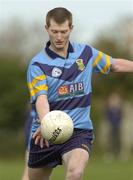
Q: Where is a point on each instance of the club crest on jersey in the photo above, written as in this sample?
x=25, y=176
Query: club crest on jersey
x=70, y=90
x=56, y=72
x=80, y=64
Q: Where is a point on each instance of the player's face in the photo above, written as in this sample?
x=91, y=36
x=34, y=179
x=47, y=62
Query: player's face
x=59, y=34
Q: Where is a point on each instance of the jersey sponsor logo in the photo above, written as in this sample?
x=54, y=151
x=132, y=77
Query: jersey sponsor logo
x=56, y=72
x=80, y=64
x=71, y=90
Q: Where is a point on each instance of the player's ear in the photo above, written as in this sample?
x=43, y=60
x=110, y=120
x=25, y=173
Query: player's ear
x=46, y=27
x=71, y=27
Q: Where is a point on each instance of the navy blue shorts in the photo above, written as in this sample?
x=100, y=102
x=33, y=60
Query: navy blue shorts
x=52, y=156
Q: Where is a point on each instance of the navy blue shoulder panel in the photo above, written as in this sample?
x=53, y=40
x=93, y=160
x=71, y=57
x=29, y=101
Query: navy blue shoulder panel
x=68, y=74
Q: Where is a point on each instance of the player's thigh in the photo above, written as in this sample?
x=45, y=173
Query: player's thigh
x=39, y=173
x=75, y=157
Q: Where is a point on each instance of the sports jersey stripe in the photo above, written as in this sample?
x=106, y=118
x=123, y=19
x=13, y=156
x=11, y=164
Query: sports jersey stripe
x=68, y=74
x=35, y=80
x=68, y=104
x=107, y=65
x=97, y=59
x=35, y=90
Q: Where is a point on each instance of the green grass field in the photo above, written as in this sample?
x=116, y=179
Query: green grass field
x=11, y=169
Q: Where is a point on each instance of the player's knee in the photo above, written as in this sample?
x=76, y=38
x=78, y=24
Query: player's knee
x=34, y=175
x=39, y=174
x=74, y=173
x=31, y=176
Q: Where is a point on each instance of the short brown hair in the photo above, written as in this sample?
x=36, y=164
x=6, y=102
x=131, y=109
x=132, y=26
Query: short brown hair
x=59, y=15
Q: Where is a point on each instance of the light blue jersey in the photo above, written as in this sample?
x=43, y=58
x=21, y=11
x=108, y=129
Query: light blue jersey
x=67, y=82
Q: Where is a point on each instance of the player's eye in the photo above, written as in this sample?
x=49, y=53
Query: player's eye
x=55, y=32
x=64, y=32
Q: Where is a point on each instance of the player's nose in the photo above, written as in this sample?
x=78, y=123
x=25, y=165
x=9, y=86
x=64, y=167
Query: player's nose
x=59, y=36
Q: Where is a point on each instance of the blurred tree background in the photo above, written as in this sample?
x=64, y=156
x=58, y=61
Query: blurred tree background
x=15, y=51
x=18, y=45
x=116, y=41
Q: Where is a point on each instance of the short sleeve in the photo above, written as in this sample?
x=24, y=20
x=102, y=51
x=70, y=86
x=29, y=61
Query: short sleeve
x=36, y=80
x=101, y=62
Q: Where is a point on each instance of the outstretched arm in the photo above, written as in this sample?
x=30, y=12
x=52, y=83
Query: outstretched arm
x=122, y=65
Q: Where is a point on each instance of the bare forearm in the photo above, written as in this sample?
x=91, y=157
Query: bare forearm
x=42, y=106
x=122, y=65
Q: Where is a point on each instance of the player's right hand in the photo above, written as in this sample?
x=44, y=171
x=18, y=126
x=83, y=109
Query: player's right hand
x=39, y=140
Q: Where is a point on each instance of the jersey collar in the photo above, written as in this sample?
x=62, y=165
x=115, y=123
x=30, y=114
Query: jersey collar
x=53, y=55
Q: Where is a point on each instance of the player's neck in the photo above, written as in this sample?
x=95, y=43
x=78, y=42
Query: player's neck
x=61, y=52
